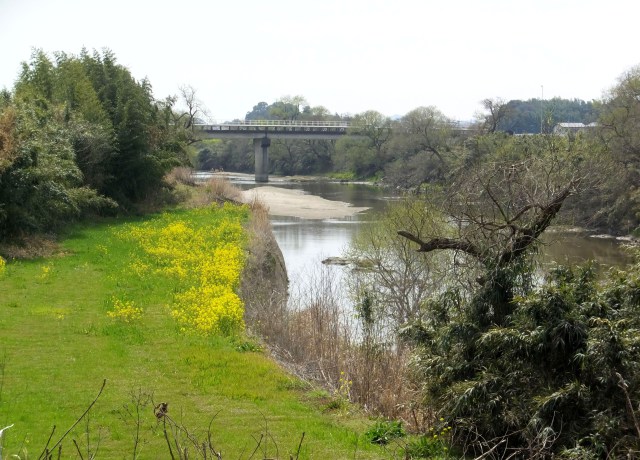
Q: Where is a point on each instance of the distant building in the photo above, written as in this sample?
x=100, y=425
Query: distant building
x=564, y=129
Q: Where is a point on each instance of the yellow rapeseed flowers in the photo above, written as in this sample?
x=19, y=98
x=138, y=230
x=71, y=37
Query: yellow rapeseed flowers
x=124, y=310
x=204, y=259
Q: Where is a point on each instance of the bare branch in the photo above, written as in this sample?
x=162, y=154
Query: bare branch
x=104, y=383
x=443, y=243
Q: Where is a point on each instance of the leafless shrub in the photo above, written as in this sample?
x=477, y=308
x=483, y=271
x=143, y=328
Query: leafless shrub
x=181, y=175
x=184, y=443
x=216, y=190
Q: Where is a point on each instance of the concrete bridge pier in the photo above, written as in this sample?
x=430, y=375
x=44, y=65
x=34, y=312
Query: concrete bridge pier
x=261, y=147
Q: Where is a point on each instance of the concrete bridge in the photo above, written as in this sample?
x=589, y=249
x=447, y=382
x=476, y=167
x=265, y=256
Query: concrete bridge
x=262, y=131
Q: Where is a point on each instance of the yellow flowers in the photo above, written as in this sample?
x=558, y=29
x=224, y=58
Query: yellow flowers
x=3, y=266
x=124, y=310
x=202, y=253
x=45, y=271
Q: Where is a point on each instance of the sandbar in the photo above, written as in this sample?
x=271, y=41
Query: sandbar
x=297, y=203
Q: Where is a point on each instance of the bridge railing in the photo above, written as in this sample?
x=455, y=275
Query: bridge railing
x=306, y=125
x=277, y=123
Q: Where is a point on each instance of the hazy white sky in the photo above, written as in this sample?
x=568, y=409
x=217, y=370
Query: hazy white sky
x=347, y=55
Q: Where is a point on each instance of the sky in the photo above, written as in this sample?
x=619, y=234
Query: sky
x=346, y=55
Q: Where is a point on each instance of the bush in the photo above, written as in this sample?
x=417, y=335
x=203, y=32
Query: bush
x=384, y=431
x=426, y=447
x=561, y=375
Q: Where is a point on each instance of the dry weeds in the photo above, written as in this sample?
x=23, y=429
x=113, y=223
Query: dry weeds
x=215, y=190
x=31, y=247
x=180, y=175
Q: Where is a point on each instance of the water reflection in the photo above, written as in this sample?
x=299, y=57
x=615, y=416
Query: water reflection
x=306, y=243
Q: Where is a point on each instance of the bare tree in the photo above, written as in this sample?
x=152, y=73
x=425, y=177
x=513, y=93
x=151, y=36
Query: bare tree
x=496, y=111
x=497, y=212
x=195, y=111
x=390, y=274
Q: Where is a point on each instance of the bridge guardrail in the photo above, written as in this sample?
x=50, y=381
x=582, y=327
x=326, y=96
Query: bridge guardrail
x=275, y=124
x=305, y=125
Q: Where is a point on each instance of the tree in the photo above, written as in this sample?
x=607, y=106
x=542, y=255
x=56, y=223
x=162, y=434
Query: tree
x=363, y=152
x=260, y=111
x=497, y=111
x=620, y=129
x=422, y=146
x=40, y=183
x=288, y=108
x=195, y=110
x=394, y=279
x=496, y=212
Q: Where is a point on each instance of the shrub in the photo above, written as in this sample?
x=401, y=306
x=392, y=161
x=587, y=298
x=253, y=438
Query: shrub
x=384, y=431
x=426, y=447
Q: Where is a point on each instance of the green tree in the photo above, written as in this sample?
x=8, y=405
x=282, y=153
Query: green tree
x=422, y=149
x=148, y=143
x=288, y=108
x=40, y=184
x=620, y=129
x=364, y=151
x=471, y=359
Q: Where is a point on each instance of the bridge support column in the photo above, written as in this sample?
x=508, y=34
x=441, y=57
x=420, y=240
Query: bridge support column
x=261, y=147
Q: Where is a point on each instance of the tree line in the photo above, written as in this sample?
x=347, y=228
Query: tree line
x=79, y=135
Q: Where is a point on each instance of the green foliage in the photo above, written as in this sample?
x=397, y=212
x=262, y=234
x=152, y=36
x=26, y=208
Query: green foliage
x=423, y=149
x=432, y=446
x=532, y=115
x=619, y=125
x=549, y=377
x=41, y=185
x=384, y=431
x=75, y=130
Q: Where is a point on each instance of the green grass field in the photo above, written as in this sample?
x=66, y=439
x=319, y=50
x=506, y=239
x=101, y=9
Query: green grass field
x=58, y=343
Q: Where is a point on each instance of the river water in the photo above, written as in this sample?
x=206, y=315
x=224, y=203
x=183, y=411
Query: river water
x=305, y=243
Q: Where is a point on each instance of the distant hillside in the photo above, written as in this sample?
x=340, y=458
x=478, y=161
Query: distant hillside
x=532, y=115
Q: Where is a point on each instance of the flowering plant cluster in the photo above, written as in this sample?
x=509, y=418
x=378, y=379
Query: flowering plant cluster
x=124, y=310
x=202, y=253
x=3, y=266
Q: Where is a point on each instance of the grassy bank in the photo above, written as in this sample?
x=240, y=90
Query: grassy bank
x=127, y=302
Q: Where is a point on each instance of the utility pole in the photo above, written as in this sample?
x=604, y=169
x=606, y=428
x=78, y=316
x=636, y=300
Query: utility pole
x=542, y=108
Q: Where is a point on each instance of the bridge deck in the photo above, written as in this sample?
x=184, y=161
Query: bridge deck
x=275, y=128
x=300, y=129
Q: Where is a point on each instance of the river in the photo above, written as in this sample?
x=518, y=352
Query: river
x=305, y=243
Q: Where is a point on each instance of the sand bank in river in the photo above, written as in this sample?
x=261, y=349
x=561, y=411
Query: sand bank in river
x=297, y=203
